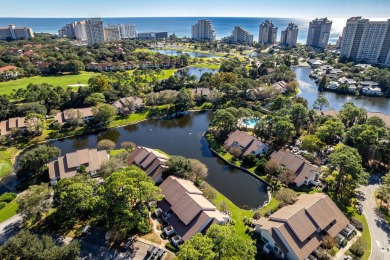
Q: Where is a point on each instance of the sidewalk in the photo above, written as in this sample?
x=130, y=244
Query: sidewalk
x=340, y=254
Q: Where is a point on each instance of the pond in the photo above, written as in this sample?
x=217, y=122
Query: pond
x=182, y=136
x=196, y=71
x=193, y=54
x=309, y=90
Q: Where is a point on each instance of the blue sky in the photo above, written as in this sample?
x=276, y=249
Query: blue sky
x=207, y=8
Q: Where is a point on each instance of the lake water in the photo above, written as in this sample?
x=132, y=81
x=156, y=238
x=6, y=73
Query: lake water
x=195, y=71
x=181, y=136
x=193, y=54
x=309, y=91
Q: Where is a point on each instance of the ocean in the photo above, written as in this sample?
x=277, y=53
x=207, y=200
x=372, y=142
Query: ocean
x=181, y=26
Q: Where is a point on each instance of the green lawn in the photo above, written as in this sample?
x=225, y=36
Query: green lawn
x=8, y=211
x=365, y=236
x=125, y=120
x=239, y=214
x=6, y=158
x=63, y=81
x=212, y=66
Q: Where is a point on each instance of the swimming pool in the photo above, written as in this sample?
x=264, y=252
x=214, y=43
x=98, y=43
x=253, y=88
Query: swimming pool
x=249, y=123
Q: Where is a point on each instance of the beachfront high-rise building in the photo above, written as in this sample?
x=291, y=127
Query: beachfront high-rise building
x=203, y=30
x=128, y=31
x=112, y=33
x=318, y=33
x=366, y=41
x=79, y=30
x=289, y=35
x=67, y=31
x=15, y=33
x=267, y=32
x=239, y=36
x=94, y=30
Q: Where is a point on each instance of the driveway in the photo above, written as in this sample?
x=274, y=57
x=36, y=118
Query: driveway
x=9, y=228
x=379, y=229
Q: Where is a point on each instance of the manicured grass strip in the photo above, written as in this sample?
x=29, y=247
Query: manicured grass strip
x=8, y=211
x=62, y=80
x=124, y=120
x=239, y=214
x=212, y=66
x=365, y=236
x=6, y=161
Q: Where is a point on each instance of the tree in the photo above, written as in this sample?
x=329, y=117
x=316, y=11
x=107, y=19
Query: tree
x=35, y=123
x=131, y=190
x=184, y=100
x=228, y=245
x=127, y=145
x=320, y=103
x=103, y=114
x=235, y=151
x=34, y=160
x=330, y=131
x=30, y=246
x=298, y=116
x=94, y=99
x=180, y=167
x=110, y=166
x=74, y=117
x=287, y=196
x=106, y=144
x=34, y=202
x=283, y=131
x=198, y=247
x=199, y=170
x=99, y=84
x=350, y=114
x=312, y=143
x=346, y=164
x=76, y=66
x=376, y=121
x=223, y=122
x=74, y=198
x=323, y=83
x=209, y=192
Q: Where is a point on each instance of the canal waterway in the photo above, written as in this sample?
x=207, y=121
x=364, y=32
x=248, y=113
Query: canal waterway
x=309, y=90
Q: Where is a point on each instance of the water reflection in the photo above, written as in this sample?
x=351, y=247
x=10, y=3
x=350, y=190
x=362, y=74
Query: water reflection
x=182, y=136
x=309, y=91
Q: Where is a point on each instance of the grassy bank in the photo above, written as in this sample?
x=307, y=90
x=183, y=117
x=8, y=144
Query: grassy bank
x=8, y=211
x=62, y=80
x=365, y=236
x=6, y=161
x=239, y=214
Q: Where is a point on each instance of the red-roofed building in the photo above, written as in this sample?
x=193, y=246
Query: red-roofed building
x=9, y=72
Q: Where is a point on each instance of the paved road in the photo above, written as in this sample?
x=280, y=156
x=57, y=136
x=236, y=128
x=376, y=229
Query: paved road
x=380, y=231
x=9, y=228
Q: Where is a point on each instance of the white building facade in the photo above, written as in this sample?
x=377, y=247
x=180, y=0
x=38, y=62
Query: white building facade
x=318, y=33
x=15, y=33
x=267, y=32
x=112, y=33
x=366, y=41
x=128, y=31
x=94, y=30
x=203, y=30
x=289, y=36
x=240, y=35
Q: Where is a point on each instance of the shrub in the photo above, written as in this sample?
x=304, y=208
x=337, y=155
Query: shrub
x=257, y=215
x=357, y=224
x=267, y=214
x=358, y=248
x=327, y=242
x=250, y=160
x=171, y=247
x=7, y=197
x=106, y=144
x=3, y=204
